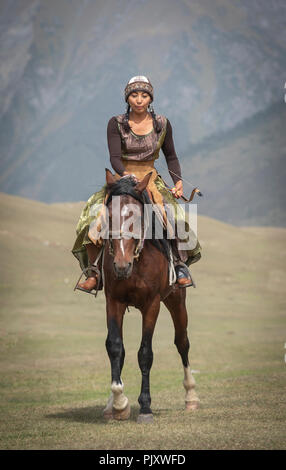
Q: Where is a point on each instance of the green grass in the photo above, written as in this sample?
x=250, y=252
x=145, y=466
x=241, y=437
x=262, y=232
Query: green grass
x=55, y=373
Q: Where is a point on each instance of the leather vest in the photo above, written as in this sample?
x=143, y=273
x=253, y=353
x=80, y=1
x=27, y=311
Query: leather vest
x=141, y=147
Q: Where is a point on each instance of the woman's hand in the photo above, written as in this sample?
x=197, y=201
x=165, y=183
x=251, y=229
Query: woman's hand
x=125, y=173
x=178, y=189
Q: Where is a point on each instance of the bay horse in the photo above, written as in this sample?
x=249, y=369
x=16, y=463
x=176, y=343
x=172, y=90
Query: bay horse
x=142, y=284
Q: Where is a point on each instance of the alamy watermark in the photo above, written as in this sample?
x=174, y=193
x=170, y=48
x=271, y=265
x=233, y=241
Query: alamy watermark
x=149, y=221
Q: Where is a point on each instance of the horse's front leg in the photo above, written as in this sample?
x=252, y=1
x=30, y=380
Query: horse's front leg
x=145, y=359
x=117, y=406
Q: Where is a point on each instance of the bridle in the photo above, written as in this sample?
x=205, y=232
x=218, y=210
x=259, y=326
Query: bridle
x=121, y=234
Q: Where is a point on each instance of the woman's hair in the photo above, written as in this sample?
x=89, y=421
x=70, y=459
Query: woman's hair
x=156, y=123
x=125, y=122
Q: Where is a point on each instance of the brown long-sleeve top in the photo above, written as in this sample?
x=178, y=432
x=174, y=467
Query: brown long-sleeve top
x=168, y=148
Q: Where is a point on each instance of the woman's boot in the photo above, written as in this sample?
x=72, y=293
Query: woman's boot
x=91, y=281
x=184, y=278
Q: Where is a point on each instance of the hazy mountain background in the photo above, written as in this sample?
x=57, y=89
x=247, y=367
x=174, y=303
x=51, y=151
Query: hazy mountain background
x=218, y=68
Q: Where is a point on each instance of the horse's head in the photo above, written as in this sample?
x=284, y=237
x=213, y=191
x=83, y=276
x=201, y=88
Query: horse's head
x=125, y=202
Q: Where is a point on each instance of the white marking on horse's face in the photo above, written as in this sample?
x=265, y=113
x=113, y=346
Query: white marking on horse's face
x=125, y=211
x=122, y=247
x=132, y=220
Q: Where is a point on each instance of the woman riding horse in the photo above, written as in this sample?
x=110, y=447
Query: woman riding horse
x=134, y=141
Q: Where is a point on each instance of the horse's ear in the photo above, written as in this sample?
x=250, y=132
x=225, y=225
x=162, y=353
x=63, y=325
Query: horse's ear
x=109, y=177
x=141, y=185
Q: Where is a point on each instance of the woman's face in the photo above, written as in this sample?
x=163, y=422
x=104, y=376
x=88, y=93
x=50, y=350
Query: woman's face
x=139, y=101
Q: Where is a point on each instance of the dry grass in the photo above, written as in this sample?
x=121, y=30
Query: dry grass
x=55, y=373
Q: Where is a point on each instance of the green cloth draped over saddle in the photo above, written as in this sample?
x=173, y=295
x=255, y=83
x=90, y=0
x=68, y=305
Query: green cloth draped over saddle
x=93, y=208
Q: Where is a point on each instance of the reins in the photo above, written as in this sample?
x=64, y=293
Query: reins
x=119, y=234
x=184, y=198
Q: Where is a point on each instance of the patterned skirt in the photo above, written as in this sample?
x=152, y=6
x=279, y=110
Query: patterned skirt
x=159, y=195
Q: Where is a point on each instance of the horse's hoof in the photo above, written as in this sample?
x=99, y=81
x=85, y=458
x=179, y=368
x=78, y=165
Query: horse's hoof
x=122, y=414
x=147, y=418
x=107, y=414
x=192, y=405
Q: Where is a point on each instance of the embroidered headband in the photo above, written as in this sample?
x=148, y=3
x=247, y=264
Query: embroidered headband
x=138, y=83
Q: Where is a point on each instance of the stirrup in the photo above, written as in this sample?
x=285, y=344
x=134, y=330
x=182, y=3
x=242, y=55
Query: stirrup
x=98, y=279
x=185, y=269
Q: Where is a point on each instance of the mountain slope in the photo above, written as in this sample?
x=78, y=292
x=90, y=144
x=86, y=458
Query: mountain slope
x=242, y=173
x=214, y=65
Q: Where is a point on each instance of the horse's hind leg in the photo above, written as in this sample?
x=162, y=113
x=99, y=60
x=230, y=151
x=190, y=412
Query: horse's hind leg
x=117, y=406
x=176, y=304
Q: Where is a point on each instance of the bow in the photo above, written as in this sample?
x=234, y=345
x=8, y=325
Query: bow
x=194, y=191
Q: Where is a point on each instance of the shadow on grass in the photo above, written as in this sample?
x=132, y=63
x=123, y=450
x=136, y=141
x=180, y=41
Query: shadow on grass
x=92, y=414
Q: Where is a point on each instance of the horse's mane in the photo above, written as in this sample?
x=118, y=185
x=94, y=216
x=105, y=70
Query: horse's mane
x=125, y=186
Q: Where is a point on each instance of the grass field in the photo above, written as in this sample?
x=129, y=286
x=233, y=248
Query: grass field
x=55, y=374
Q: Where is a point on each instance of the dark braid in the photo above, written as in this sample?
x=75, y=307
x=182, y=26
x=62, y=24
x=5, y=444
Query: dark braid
x=156, y=124
x=126, y=119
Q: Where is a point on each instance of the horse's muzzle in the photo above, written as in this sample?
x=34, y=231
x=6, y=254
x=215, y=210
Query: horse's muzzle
x=122, y=272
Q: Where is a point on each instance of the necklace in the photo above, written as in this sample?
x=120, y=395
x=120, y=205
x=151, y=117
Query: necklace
x=141, y=128
x=140, y=122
